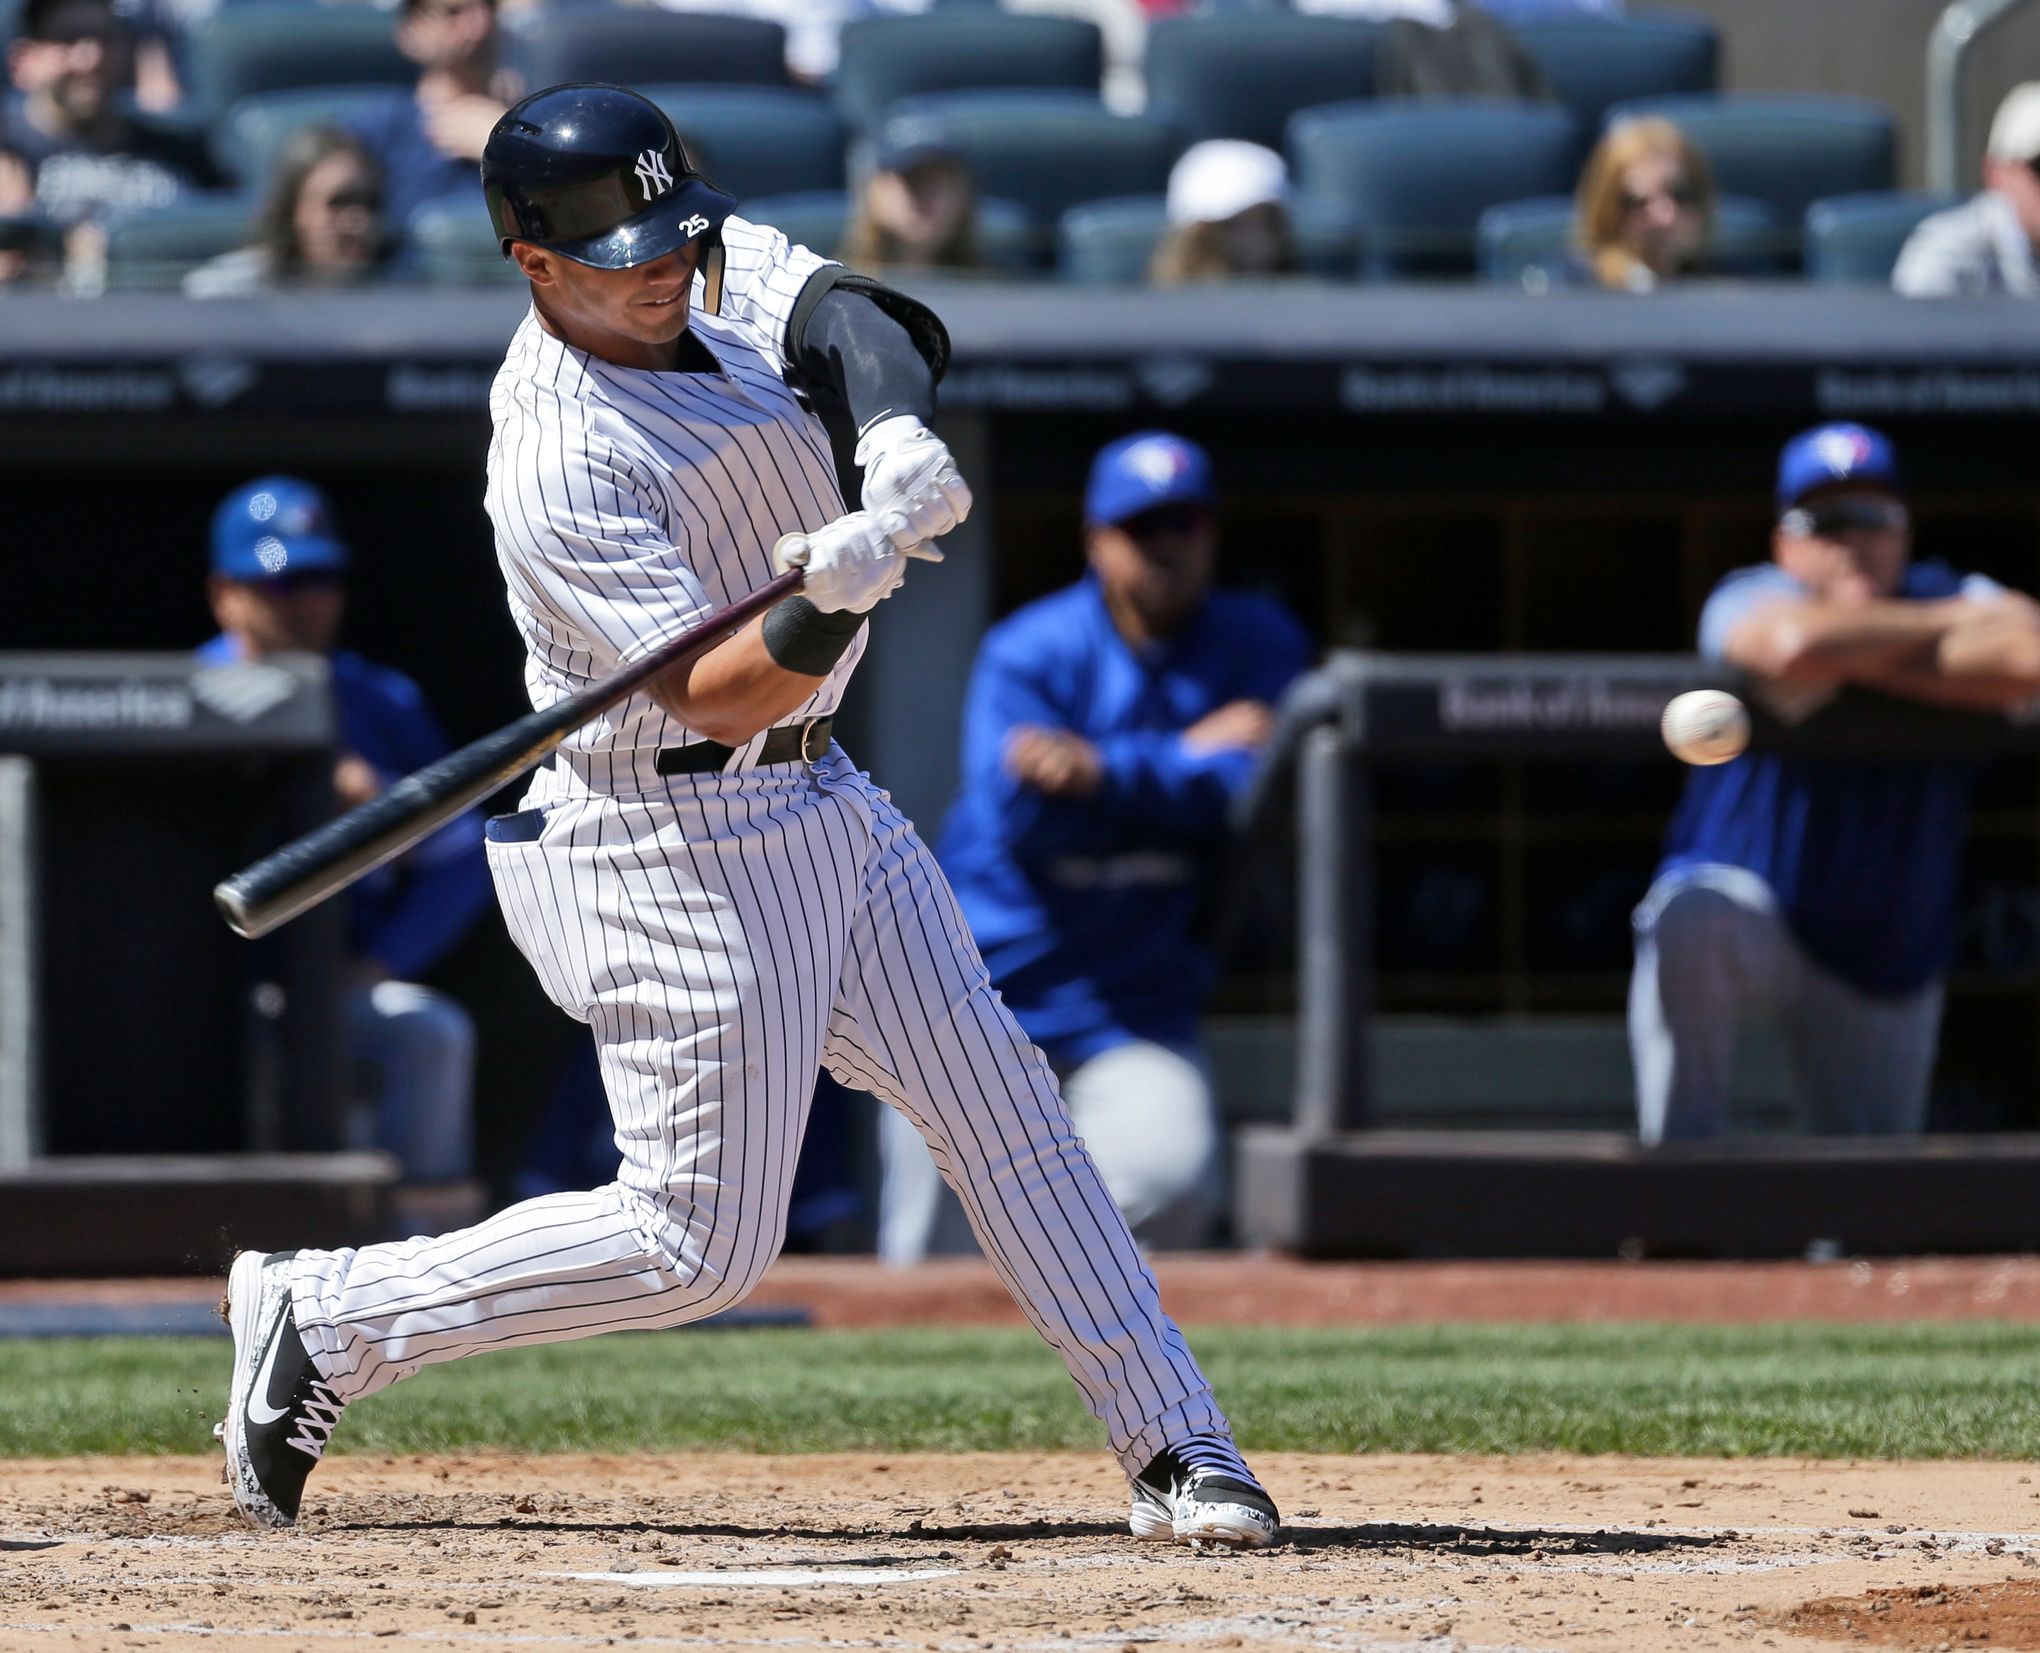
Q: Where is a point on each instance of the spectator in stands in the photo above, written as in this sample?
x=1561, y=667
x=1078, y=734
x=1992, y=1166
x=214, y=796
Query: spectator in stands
x=1228, y=207
x=70, y=151
x=1821, y=892
x=1645, y=207
x=278, y=583
x=1108, y=729
x=1988, y=244
x=322, y=225
x=428, y=141
x=918, y=209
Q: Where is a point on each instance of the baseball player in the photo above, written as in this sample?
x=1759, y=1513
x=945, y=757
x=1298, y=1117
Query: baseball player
x=702, y=875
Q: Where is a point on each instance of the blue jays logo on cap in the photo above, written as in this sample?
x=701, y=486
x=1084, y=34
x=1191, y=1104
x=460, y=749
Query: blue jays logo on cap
x=1139, y=472
x=273, y=527
x=1835, y=453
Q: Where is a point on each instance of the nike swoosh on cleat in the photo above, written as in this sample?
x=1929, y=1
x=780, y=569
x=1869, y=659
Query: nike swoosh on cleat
x=259, y=1409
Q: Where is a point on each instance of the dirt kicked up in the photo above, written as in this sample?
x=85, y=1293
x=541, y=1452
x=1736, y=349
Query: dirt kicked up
x=968, y=1553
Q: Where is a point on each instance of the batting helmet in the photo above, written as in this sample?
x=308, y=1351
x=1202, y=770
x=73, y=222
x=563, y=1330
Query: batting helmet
x=597, y=174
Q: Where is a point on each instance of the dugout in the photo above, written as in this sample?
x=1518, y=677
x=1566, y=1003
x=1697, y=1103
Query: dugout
x=1459, y=470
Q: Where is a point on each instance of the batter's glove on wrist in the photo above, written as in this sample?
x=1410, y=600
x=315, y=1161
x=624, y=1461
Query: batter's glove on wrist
x=851, y=566
x=912, y=487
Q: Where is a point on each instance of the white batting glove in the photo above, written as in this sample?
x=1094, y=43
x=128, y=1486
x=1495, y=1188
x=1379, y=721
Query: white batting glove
x=911, y=484
x=851, y=566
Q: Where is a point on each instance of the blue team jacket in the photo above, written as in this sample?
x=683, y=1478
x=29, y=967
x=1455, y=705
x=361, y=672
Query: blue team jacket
x=1083, y=907
x=408, y=915
x=1865, y=857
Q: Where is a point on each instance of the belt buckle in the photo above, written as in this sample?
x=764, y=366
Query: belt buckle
x=814, y=739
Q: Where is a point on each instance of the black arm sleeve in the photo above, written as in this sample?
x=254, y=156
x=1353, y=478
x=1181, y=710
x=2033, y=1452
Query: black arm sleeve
x=865, y=347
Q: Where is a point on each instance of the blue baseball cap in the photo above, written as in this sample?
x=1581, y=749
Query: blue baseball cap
x=1139, y=472
x=1828, y=454
x=273, y=526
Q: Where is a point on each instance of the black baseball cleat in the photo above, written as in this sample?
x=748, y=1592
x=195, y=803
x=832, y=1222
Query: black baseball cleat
x=1207, y=1509
x=279, y=1414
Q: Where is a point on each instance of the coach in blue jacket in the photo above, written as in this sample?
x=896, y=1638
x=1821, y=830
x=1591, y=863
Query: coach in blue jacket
x=278, y=583
x=1109, y=726
x=1821, y=893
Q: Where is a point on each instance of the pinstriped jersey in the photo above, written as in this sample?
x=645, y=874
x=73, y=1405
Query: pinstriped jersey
x=627, y=504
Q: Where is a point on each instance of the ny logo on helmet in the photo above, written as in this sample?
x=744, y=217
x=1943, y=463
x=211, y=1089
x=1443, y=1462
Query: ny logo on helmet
x=652, y=175
x=693, y=226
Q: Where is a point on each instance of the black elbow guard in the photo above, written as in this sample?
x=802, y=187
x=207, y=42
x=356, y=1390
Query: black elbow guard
x=930, y=338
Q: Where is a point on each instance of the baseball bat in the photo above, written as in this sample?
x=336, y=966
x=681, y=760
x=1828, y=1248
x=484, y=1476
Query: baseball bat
x=329, y=858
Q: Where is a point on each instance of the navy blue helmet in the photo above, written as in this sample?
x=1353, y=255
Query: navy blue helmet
x=597, y=174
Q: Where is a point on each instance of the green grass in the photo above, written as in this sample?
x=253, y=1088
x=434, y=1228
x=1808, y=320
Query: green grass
x=1897, y=1391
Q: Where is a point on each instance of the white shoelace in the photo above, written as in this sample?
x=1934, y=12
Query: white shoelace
x=321, y=1411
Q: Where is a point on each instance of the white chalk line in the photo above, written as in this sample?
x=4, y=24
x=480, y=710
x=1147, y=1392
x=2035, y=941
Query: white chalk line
x=787, y=1578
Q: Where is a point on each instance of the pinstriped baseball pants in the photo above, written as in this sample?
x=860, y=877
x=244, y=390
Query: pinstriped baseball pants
x=724, y=935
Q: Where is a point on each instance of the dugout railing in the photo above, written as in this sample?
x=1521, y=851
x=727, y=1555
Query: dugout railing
x=1331, y=1182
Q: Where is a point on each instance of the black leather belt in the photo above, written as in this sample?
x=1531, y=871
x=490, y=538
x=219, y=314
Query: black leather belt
x=789, y=743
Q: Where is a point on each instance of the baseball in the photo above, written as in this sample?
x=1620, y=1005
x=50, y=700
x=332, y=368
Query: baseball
x=1704, y=726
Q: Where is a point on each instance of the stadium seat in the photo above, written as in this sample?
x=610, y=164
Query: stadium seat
x=1520, y=242
x=1047, y=151
x=1243, y=74
x=1109, y=243
x=758, y=140
x=242, y=51
x=1412, y=179
x=636, y=46
x=456, y=246
x=821, y=220
x=1595, y=62
x=248, y=141
x=157, y=246
x=1786, y=151
x=886, y=59
x=1857, y=238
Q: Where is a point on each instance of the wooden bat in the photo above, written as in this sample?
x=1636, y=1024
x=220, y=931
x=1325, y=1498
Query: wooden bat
x=326, y=860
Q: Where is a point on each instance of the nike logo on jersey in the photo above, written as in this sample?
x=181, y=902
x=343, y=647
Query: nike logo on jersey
x=259, y=1409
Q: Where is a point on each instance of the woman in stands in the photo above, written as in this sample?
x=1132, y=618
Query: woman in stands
x=919, y=206
x=322, y=225
x=1228, y=216
x=1645, y=207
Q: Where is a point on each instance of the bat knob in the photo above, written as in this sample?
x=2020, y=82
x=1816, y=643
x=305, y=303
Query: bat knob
x=792, y=551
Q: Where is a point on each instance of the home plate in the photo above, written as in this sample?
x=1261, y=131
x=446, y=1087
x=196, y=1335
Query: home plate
x=779, y=1578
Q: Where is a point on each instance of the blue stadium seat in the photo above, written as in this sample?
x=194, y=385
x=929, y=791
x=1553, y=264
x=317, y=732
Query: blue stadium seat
x=886, y=59
x=248, y=141
x=1046, y=151
x=1787, y=151
x=821, y=220
x=157, y=246
x=1109, y=243
x=1412, y=179
x=456, y=246
x=1594, y=62
x=758, y=140
x=1243, y=74
x=1521, y=243
x=242, y=51
x=1857, y=238
x=817, y=219
x=637, y=46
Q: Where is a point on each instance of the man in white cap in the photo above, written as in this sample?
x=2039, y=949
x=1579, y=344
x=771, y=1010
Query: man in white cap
x=1986, y=245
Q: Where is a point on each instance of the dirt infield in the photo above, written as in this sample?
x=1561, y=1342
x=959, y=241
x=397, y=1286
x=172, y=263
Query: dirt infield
x=1250, y=1289
x=965, y=1554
